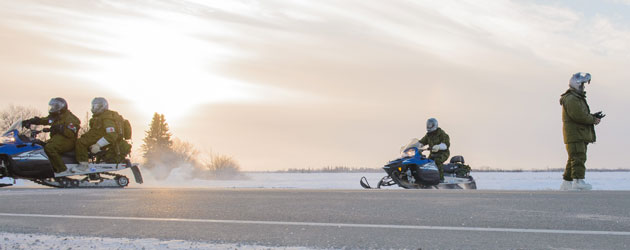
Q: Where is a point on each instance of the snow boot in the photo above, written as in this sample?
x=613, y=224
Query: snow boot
x=82, y=167
x=580, y=184
x=566, y=185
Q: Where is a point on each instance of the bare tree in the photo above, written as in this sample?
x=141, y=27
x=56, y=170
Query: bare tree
x=13, y=113
x=85, y=125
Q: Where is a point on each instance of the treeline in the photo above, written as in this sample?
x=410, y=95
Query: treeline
x=488, y=169
x=331, y=169
x=344, y=169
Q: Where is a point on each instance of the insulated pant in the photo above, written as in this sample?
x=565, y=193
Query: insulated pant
x=575, y=168
x=56, y=146
x=83, y=144
x=439, y=161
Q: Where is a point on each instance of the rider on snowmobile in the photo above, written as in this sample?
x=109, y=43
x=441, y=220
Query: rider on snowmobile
x=63, y=131
x=439, y=144
x=106, y=132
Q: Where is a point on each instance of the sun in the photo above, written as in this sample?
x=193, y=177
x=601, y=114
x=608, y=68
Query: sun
x=162, y=65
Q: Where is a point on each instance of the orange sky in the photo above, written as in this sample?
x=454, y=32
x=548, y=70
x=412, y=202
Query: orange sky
x=298, y=84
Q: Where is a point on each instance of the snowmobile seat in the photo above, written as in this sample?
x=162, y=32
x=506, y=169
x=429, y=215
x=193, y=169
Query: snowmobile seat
x=457, y=159
x=450, y=168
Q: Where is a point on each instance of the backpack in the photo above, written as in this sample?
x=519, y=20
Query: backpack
x=125, y=127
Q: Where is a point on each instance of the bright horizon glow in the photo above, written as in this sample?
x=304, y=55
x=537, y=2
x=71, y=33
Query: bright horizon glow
x=162, y=67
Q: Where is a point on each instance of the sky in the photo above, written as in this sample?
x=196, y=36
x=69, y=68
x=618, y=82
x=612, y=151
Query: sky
x=309, y=84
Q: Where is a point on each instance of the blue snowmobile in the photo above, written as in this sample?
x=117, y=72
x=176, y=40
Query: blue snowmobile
x=415, y=171
x=23, y=157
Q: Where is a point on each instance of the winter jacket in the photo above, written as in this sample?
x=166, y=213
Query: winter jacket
x=577, y=120
x=65, y=124
x=436, y=138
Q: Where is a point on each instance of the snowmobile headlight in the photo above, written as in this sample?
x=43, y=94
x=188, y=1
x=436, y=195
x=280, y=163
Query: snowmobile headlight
x=7, y=139
x=409, y=152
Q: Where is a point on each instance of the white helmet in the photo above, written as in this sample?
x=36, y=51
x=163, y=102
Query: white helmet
x=578, y=79
x=99, y=105
x=432, y=125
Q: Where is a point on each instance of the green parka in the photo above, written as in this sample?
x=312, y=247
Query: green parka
x=435, y=138
x=577, y=120
x=108, y=125
x=69, y=123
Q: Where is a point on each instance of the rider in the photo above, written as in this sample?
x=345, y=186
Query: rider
x=439, y=144
x=105, y=133
x=63, y=131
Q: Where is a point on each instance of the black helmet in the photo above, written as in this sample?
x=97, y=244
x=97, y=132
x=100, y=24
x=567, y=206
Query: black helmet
x=57, y=105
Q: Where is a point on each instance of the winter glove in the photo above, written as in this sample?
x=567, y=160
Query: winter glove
x=95, y=148
x=435, y=148
x=28, y=122
x=98, y=145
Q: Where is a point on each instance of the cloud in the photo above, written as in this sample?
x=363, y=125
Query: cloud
x=310, y=80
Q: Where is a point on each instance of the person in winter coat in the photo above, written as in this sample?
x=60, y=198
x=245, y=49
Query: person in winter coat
x=439, y=144
x=105, y=134
x=578, y=129
x=63, y=131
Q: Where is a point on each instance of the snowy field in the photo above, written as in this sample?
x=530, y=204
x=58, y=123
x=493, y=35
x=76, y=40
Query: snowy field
x=485, y=180
x=46, y=242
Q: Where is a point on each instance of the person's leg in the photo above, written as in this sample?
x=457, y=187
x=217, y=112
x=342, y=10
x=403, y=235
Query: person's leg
x=567, y=169
x=439, y=161
x=83, y=144
x=577, y=158
x=578, y=167
x=53, y=150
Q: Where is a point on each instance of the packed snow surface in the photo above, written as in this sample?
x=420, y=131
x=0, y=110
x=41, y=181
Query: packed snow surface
x=485, y=180
x=46, y=242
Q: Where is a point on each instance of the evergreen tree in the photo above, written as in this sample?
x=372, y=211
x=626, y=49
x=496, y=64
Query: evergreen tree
x=157, y=140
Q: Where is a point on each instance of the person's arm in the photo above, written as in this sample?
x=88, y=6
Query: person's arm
x=578, y=112
x=70, y=129
x=111, y=131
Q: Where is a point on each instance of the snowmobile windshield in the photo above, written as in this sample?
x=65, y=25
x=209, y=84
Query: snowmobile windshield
x=16, y=125
x=8, y=136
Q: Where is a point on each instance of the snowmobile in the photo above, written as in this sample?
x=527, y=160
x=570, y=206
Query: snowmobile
x=23, y=157
x=415, y=171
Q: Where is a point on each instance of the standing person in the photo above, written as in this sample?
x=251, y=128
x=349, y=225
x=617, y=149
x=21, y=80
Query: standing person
x=438, y=142
x=578, y=130
x=63, y=131
x=106, y=132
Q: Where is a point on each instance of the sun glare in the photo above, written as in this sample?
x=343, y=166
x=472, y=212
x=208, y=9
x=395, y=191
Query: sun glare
x=163, y=67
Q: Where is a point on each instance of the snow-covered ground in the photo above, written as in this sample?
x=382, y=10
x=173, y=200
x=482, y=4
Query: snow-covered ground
x=45, y=242
x=485, y=180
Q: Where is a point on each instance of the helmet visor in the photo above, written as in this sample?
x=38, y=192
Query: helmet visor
x=432, y=125
x=55, y=106
x=99, y=105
